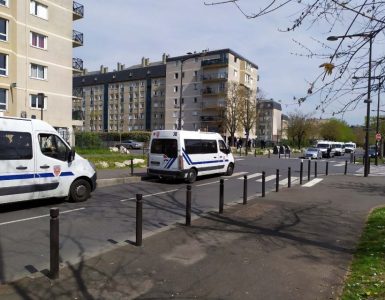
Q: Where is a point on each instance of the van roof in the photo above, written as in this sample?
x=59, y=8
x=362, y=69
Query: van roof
x=36, y=124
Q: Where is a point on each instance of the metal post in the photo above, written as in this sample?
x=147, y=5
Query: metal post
x=263, y=183
x=269, y=154
x=308, y=170
x=132, y=167
x=315, y=169
x=244, y=189
x=346, y=167
x=221, y=192
x=188, y=205
x=277, y=181
x=54, y=243
x=301, y=172
x=255, y=152
x=279, y=153
x=139, y=219
x=354, y=158
x=327, y=168
x=367, y=125
x=351, y=157
x=289, y=177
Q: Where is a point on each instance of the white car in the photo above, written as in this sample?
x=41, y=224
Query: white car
x=313, y=153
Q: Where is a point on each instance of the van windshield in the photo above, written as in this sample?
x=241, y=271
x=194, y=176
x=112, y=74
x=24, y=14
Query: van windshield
x=168, y=147
x=349, y=145
x=323, y=146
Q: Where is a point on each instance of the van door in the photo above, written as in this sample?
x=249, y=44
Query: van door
x=54, y=175
x=17, y=165
x=163, y=154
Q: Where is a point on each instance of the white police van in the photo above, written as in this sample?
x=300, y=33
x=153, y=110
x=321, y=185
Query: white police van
x=35, y=162
x=188, y=154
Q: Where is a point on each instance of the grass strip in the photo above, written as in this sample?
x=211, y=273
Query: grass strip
x=366, y=279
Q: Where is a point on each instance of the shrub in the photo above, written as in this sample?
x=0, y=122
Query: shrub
x=86, y=140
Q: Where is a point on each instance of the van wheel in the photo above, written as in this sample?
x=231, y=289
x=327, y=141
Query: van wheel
x=230, y=169
x=80, y=190
x=191, y=175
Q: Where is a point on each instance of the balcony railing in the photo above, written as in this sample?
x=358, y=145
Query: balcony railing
x=78, y=115
x=215, y=62
x=214, y=76
x=78, y=10
x=77, y=64
x=213, y=105
x=77, y=93
x=209, y=91
x=211, y=118
x=77, y=38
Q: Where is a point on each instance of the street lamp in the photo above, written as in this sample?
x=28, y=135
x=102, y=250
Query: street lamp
x=40, y=101
x=181, y=88
x=367, y=101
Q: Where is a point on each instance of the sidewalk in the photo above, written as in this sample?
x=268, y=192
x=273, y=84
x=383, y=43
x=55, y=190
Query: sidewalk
x=295, y=244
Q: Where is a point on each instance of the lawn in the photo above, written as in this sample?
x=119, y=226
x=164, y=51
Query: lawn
x=366, y=279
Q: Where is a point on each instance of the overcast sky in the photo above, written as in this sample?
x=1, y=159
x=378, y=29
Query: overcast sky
x=126, y=30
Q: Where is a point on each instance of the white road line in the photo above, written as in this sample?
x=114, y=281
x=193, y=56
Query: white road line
x=208, y=183
x=268, y=178
x=39, y=217
x=237, y=174
x=252, y=176
x=239, y=159
x=150, y=195
x=285, y=181
x=313, y=182
x=339, y=165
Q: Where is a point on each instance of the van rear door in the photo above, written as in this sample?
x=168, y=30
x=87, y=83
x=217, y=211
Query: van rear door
x=17, y=164
x=163, y=154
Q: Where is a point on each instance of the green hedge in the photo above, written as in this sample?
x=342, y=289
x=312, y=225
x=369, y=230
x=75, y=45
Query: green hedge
x=89, y=140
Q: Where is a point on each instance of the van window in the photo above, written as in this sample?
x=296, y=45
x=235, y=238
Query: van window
x=200, y=146
x=169, y=147
x=15, y=145
x=222, y=146
x=52, y=146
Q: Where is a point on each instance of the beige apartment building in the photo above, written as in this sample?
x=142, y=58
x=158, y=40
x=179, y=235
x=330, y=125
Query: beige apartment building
x=36, y=45
x=147, y=96
x=270, y=121
x=204, y=77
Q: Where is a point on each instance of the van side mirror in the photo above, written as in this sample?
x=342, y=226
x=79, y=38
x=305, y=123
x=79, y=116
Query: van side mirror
x=71, y=155
x=228, y=151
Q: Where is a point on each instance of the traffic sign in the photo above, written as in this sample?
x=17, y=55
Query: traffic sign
x=378, y=136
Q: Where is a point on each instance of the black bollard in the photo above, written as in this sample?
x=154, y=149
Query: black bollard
x=354, y=159
x=139, y=219
x=54, y=243
x=255, y=152
x=346, y=167
x=221, y=192
x=263, y=183
x=244, y=189
x=289, y=177
x=132, y=166
x=315, y=169
x=301, y=172
x=188, y=205
x=351, y=157
x=269, y=154
x=277, y=181
x=327, y=168
x=308, y=169
x=279, y=154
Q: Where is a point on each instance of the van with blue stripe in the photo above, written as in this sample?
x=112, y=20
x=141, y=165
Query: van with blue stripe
x=188, y=154
x=35, y=162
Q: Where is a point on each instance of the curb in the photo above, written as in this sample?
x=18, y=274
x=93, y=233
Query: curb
x=115, y=181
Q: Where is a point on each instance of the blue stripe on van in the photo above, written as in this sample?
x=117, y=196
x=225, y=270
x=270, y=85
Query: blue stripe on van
x=186, y=158
x=170, y=163
x=31, y=176
x=190, y=162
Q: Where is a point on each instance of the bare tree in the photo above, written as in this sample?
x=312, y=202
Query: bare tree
x=231, y=119
x=362, y=23
x=247, y=110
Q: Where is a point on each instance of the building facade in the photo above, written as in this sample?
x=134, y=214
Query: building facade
x=269, y=124
x=148, y=96
x=36, y=45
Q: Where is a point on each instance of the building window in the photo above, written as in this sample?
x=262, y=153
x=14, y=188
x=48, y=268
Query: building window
x=235, y=73
x=4, y=2
x=35, y=103
x=3, y=29
x=38, y=71
x=3, y=64
x=195, y=86
x=175, y=101
x=3, y=99
x=195, y=100
x=176, y=75
x=38, y=9
x=195, y=74
x=175, y=89
x=38, y=40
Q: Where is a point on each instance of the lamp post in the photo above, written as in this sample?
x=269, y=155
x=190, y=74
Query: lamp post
x=40, y=101
x=367, y=101
x=181, y=90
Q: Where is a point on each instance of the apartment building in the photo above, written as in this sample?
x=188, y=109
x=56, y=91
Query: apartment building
x=147, y=96
x=36, y=63
x=269, y=124
x=126, y=99
x=199, y=82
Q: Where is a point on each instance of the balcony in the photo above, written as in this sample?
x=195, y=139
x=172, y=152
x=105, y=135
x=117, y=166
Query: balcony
x=77, y=11
x=214, y=105
x=211, y=119
x=214, y=77
x=77, y=93
x=217, y=91
x=78, y=115
x=215, y=63
x=77, y=38
x=77, y=65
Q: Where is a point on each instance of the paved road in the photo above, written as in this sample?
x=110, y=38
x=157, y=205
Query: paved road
x=107, y=219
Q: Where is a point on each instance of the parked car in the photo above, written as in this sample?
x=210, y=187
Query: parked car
x=372, y=151
x=313, y=153
x=130, y=144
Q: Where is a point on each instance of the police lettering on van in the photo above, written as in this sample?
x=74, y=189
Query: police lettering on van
x=36, y=163
x=188, y=154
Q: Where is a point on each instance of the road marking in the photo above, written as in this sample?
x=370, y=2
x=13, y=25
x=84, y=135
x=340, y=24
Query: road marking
x=252, y=176
x=313, y=182
x=208, y=183
x=237, y=174
x=239, y=159
x=268, y=178
x=339, y=165
x=285, y=181
x=39, y=217
x=150, y=195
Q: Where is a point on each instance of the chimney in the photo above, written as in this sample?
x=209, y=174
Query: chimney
x=119, y=66
x=101, y=69
x=164, y=58
x=105, y=70
x=85, y=71
x=147, y=61
x=143, y=62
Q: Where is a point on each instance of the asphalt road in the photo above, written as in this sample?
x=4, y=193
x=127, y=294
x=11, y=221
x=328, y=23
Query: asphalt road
x=107, y=220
